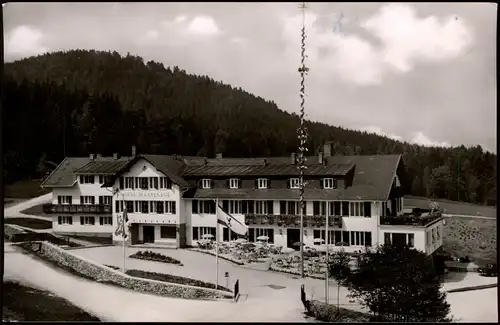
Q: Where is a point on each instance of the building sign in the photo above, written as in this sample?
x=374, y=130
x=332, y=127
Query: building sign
x=146, y=194
x=152, y=220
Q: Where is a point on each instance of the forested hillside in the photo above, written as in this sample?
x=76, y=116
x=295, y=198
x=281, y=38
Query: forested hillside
x=77, y=102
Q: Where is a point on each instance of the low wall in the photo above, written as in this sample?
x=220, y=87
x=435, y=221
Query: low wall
x=102, y=273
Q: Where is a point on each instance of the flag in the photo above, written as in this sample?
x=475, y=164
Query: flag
x=125, y=222
x=224, y=218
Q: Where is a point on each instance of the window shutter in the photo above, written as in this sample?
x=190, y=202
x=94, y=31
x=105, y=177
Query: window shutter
x=257, y=183
x=200, y=183
x=225, y=205
x=322, y=183
x=251, y=206
x=244, y=207
x=316, y=208
x=59, y=220
x=368, y=209
x=81, y=220
x=212, y=183
x=228, y=183
x=270, y=207
x=268, y=183
x=173, y=207
x=282, y=207
x=239, y=183
x=169, y=183
x=288, y=183
x=121, y=183
x=194, y=206
x=101, y=221
x=71, y=220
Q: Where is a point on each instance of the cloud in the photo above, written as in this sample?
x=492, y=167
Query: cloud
x=422, y=139
x=152, y=34
x=24, y=41
x=204, y=25
x=180, y=19
x=404, y=40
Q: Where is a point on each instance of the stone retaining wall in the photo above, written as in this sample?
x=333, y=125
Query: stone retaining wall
x=102, y=273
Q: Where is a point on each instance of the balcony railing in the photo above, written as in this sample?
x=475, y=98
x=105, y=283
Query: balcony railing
x=77, y=208
x=292, y=220
x=410, y=220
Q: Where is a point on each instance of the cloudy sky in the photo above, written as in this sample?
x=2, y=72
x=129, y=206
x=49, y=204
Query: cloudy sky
x=422, y=73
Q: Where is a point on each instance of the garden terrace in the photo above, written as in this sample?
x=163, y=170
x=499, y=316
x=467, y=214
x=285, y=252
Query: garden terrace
x=410, y=220
x=280, y=220
x=77, y=208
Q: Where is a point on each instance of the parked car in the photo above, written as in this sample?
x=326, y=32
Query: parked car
x=489, y=270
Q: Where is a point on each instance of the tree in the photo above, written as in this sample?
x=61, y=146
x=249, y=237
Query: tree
x=339, y=270
x=398, y=284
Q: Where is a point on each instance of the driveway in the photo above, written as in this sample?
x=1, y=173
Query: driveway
x=111, y=303
x=254, y=284
x=14, y=211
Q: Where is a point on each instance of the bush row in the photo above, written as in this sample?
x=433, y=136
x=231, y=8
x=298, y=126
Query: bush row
x=156, y=257
x=330, y=313
x=91, y=270
x=292, y=272
x=221, y=257
x=9, y=231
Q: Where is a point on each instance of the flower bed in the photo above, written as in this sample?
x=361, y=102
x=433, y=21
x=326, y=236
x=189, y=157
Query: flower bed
x=155, y=257
x=295, y=272
x=173, y=279
x=222, y=256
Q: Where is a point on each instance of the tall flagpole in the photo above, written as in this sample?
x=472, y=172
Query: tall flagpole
x=217, y=244
x=326, y=239
x=124, y=234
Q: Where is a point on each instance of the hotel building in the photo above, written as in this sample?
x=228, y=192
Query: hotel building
x=171, y=199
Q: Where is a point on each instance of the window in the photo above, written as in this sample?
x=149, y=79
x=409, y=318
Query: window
x=169, y=232
x=165, y=182
x=345, y=237
x=257, y=232
x=105, y=199
x=368, y=238
x=105, y=221
x=129, y=182
x=206, y=183
x=119, y=206
x=261, y=207
x=65, y=220
x=411, y=240
x=153, y=182
x=329, y=183
x=387, y=238
x=234, y=183
x=143, y=183
x=159, y=207
x=262, y=183
x=438, y=230
x=357, y=209
x=198, y=232
x=203, y=206
x=337, y=211
x=319, y=208
x=294, y=183
x=130, y=206
x=88, y=221
x=87, y=199
x=384, y=209
x=433, y=235
x=170, y=207
x=104, y=179
x=64, y=199
x=87, y=179
x=235, y=207
x=345, y=209
x=195, y=233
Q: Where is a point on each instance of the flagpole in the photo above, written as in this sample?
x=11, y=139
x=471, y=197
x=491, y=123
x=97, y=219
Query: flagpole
x=326, y=239
x=217, y=244
x=124, y=234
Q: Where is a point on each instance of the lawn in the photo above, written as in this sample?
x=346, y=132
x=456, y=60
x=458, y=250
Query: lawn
x=21, y=303
x=473, y=237
x=24, y=189
x=453, y=207
x=94, y=240
x=29, y=223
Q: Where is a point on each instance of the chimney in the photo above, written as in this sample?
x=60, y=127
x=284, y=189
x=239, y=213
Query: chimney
x=134, y=151
x=327, y=149
x=115, y=156
x=91, y=156
x=218, y=155
x=294, y=160
x=98, y=155
x=320, y=157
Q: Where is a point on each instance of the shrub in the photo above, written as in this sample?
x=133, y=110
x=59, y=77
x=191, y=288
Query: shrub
x=330, y=313
x=155, y=257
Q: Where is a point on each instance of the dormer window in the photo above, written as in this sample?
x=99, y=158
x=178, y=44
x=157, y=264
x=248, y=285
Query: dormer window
x=206, y=183
x=294, y=183
x=329, y=183
x=87, y=179
x=234, y=183
x=262, y=183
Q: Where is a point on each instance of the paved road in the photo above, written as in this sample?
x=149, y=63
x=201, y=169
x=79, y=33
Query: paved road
x=15, y=210
x=112, y=303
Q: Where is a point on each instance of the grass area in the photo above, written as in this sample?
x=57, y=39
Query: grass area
x=29, y=223
x=22, y=303
x=155, y=257
x=453, y=207
x=475, y=238
x=24, y=189
x=173, y=279
x=93, y=239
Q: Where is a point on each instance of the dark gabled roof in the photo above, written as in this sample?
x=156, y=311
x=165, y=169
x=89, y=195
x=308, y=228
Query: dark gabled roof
x=210, y=170
x=63, y=175
x=103, y=166
x=171, y=166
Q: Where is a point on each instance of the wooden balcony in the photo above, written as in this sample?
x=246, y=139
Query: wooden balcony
x=292, y=220
x=416, y=220
x=77, y=208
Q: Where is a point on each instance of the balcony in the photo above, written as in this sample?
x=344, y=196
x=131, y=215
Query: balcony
x=77, y=208
x=292, y=220
x=417, y=220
